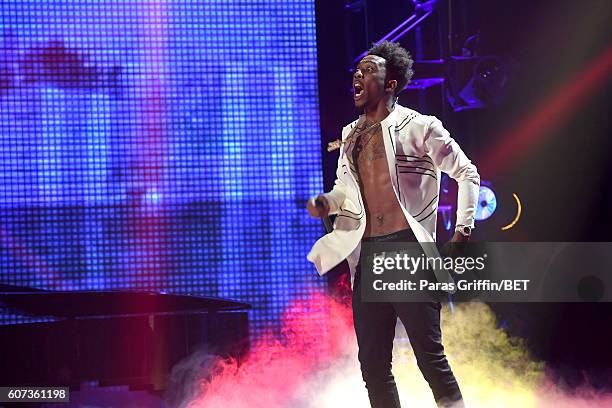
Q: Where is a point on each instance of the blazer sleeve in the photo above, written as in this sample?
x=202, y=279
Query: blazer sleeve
x=336, y=196
x=448, y=156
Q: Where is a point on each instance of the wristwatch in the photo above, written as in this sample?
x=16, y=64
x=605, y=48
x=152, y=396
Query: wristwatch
x=464, y=230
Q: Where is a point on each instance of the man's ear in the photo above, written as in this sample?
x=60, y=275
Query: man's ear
x=391, y=85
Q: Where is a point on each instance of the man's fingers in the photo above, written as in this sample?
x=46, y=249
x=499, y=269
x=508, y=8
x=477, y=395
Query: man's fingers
x=322, y=206
x=313, y=209
x=318, y=207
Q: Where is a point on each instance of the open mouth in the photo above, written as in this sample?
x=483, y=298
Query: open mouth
x=358, y=90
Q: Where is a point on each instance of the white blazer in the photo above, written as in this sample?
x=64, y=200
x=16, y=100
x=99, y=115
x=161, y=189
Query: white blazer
x=418, y=148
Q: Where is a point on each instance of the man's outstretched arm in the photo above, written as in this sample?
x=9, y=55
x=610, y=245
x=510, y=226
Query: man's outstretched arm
x=449, y=157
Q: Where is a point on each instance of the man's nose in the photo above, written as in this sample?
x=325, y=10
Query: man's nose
x=358, y=74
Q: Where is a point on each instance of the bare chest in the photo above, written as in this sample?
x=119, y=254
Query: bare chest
x=369, y=157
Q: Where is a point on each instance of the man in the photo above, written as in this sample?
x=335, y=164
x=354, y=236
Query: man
x=386, y=189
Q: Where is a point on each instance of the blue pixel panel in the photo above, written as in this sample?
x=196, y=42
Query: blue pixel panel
x=163, y=145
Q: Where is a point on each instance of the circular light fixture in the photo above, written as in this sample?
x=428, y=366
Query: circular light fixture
x=487, y=203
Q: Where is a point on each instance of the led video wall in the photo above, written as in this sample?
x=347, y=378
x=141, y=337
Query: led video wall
x=160, y=145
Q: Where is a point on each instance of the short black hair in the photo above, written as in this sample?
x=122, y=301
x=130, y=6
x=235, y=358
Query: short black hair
x=399, y=63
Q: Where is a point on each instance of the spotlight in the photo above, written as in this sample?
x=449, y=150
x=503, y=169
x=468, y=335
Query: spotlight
x=476, y=82
x=487, y=203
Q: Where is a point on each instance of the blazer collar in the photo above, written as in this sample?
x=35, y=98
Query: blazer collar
x=391, y=118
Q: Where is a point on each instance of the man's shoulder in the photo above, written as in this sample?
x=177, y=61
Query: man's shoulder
x=403, y=117
x=347, y=128
x=406, y=117
x=351, y=125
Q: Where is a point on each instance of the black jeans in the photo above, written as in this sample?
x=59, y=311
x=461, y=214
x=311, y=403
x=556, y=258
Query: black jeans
x=375, y=329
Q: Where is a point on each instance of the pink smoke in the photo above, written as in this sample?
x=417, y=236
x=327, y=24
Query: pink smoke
x=313, y=363
x=315, y=333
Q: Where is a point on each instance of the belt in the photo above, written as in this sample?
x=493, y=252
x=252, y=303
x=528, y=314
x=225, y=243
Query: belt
x=402, y=235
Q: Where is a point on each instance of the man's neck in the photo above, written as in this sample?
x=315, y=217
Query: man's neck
x=380, y=111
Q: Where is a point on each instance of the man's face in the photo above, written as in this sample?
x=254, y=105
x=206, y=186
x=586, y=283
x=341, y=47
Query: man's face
x=369, y=81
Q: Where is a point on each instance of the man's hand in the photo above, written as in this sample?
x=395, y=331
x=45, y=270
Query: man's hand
x=318, y=207
x=459, y=237
x=453, y=248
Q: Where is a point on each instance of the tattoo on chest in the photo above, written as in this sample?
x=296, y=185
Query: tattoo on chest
x=369, y=149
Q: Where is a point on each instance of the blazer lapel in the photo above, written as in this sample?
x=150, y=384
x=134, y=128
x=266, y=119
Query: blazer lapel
x=389, y=140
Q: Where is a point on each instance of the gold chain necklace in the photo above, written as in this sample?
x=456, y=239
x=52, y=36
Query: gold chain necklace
x=331, y=146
